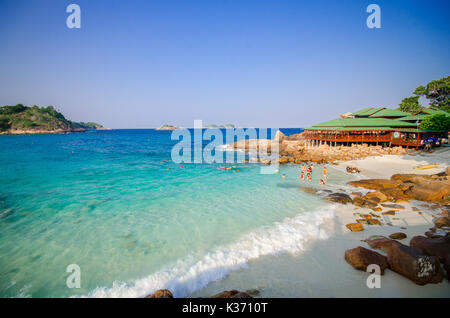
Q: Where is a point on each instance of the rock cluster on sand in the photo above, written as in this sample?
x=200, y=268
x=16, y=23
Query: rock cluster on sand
x=420, y=262
x=296, y=149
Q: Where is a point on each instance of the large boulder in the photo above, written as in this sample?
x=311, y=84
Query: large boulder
x=411, y=263
x=382, y=243
x=339, y=198
x=161, y=293
x=439, y=247
x=430, y=190
x=232, y=294
x=360, y=257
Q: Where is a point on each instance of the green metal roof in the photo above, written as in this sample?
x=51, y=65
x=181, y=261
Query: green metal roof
x=367, y=111
x=363, y=122
x=413, y=117
x=389, y=112
x=432, y=111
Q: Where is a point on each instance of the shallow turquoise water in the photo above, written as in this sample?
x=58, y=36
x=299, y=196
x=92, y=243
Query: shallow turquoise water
x=105, y=201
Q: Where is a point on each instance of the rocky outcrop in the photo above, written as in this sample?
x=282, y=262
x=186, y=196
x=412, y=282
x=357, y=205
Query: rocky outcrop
x=361, y=257
x=232, y=294
x=161, y=293
x=404, y=187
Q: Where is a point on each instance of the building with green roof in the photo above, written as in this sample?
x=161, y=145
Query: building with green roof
x=375, y=126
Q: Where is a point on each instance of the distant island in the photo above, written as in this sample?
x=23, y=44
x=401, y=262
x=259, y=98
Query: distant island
x=167, y=127
x=20, y=119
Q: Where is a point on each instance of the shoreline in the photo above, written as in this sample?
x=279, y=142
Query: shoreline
x=47, y=132
x=310, y=267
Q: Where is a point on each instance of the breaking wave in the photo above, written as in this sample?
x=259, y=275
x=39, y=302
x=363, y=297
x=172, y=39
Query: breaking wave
x=189, y=275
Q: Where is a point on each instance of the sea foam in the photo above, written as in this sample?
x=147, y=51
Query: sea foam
x=189, y=275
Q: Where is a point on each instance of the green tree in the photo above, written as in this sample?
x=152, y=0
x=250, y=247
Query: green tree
x=4, y=123
x=438, y=92
x=440, y=122
x=410, y=104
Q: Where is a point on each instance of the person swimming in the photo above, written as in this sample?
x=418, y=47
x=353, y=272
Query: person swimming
x=283, y=176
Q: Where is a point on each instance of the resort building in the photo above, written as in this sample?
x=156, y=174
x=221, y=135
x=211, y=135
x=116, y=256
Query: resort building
x=379, y=126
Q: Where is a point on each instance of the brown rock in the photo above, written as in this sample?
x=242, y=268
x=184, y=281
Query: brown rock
x=439, y=247
x=161, y=293
x=364, y=203
x=339, y=198
x=361, y=257
x=383, y=244
x=394, y=194
x=432, y=235
x=232, y=294
x=355, y=227
x=411, y=263
x=442, y=222
x=390, y=212
x=430, y=190
x=376, y=197
x=398, y=236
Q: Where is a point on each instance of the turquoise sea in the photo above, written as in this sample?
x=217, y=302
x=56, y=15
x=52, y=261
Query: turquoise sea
x=104, y=200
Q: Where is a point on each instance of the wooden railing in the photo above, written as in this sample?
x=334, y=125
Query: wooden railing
x=348, y=138
x=360, y=138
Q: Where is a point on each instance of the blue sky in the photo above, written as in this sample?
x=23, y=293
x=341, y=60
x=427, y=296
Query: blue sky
x=254, y=63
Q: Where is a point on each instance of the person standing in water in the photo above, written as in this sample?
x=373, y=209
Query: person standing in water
x=325, y=174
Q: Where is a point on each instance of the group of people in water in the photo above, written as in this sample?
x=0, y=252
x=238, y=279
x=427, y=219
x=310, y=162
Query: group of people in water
x=308, y=172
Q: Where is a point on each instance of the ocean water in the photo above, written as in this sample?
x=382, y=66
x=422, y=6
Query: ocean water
x=104, y=200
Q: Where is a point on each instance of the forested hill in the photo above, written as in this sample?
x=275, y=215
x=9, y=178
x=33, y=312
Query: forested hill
x=24, y=119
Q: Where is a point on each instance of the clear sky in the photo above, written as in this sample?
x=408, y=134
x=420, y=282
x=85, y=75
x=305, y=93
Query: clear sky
x=253, y=63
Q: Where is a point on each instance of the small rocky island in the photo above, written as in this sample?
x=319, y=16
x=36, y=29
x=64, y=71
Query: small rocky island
x=167, y=127
x=22, y=120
